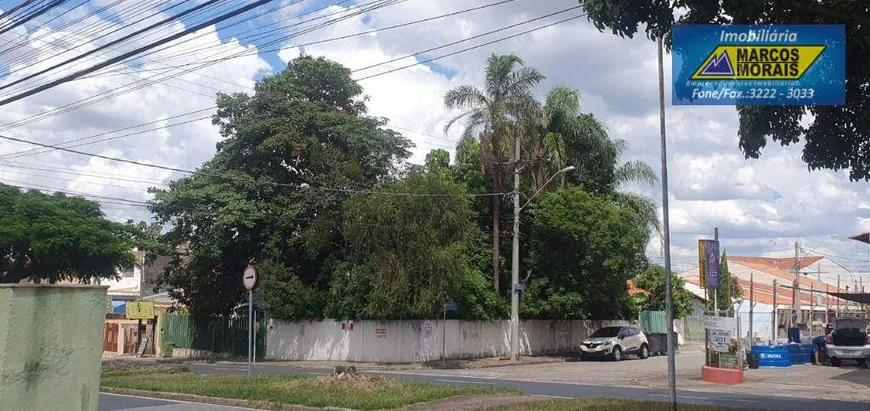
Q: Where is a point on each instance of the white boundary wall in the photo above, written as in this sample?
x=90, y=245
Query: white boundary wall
x=420, y=340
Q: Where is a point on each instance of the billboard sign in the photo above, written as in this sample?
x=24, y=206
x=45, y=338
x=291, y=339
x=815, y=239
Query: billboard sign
x=796, y=65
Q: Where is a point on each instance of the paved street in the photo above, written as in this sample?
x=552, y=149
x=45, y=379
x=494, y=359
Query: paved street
x=114, y=402
x=565, y=389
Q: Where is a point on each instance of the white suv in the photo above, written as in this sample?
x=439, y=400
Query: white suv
x=615, y=342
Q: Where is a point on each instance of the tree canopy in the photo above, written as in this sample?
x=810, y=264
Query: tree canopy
x=291, y=154
x=55, y=237
x=834, y=137
x=652, y=281
x=321, y=198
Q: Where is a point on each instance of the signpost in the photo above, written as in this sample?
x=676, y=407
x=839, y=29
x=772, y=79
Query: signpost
x=139, y=310
x=249, y=279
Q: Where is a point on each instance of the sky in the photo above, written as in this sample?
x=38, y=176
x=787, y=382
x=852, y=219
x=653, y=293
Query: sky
x=761, y=206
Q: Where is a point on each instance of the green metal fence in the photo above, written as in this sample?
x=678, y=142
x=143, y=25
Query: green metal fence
x=220, y=335
x=653, y=322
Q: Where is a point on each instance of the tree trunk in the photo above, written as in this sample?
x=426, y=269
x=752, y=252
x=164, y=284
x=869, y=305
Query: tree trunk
x=496, y=208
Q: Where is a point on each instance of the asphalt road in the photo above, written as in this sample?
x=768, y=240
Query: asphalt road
x=549, y=389
x=115, y=402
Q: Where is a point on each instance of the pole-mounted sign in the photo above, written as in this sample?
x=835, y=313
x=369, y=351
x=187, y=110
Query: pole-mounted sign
x=249, y=279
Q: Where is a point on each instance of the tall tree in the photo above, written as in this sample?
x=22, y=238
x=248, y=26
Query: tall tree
x=834, y=137
x=489, y=114
x=56, y=237
x=652, y=281
x=406, y=254
x=290, y=156
x=729, y=287
x=585, y=250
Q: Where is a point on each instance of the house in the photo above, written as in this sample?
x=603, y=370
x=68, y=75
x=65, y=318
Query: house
x=769, y=282
x=135, y=282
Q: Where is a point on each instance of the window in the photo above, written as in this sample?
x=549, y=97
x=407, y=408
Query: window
x=128, y=272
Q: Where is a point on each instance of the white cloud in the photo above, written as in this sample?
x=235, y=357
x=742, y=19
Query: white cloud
x=760, y=205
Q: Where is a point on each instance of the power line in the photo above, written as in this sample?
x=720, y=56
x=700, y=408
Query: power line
x=122, y=160
x=31, y=16
x=470, y=48
x=57, y=170
x=115, y=92
x=131, y=53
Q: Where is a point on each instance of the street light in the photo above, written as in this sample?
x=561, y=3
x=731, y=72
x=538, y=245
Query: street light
x=516, y=287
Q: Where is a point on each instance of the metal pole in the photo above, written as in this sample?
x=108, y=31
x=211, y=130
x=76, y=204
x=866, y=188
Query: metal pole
x=838, y=298
x=796, y=292
x=751, y=307
x=666, y=233
x=254, y=340
x=444, y=338
x=773, y=317
x=515, y=259
x=716, y=290
x=250, y=326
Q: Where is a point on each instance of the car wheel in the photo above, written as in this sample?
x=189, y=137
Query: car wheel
x=644, y=352
x=616, y=354
x=836, y=362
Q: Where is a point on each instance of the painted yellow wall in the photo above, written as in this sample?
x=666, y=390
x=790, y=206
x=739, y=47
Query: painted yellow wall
x=51, y=340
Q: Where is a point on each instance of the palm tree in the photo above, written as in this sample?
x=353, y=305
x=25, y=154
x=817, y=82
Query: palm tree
x=636, y=172
x=565, y=136
x=490, y=114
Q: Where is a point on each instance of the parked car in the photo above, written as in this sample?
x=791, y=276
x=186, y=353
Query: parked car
x=848, y=341
x=615, y=342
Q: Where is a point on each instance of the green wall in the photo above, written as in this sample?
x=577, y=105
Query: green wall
x=51, y=341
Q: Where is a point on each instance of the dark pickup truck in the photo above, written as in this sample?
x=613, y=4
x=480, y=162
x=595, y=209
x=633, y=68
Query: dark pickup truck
x=849, y=341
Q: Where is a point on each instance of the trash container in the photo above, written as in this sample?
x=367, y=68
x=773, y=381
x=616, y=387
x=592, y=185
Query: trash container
x=794, y=335
x=752, y=360
x=772, y=356
x=658, y=343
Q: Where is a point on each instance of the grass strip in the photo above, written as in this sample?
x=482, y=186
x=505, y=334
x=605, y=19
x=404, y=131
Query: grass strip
x=362, y=393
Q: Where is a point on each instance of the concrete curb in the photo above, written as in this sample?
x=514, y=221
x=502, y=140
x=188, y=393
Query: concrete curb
x=263, y=405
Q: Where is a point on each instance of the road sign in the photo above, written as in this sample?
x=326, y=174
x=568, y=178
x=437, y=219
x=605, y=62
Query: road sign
x=249, y=278
x=451, y=307
x=140, y=310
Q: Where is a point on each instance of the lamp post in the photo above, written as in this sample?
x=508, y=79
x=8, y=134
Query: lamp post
x=515, y=268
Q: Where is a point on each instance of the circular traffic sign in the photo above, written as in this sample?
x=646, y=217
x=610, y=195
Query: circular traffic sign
x=249, y=277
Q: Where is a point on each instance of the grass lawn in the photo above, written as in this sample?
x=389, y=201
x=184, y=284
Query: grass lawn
x=363, y=393
x=604, y=404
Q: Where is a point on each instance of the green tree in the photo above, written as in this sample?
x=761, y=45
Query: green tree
x=407, y=253
x=585, y=250
x=652, y=280
x=490, y=114
x=729, y=288
x=834, y=136
x=291, y=154
x=56, y=237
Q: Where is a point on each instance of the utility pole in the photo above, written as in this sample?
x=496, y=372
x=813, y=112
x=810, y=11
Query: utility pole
x=716, y=290
x=796, y=293
x=515, y=259
x=751, y=307
x=666, y=234
x=773, y=317
x=838, y=298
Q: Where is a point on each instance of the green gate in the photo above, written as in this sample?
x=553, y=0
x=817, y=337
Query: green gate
x=220, y=335
x=653, y=322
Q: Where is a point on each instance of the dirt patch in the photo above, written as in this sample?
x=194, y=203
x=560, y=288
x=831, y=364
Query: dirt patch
x=472, y=403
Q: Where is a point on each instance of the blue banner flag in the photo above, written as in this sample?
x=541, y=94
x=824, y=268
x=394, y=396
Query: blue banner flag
x=709, y=259
x=794, y=65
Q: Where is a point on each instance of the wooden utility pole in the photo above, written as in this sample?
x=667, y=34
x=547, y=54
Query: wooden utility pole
x=838, y=298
